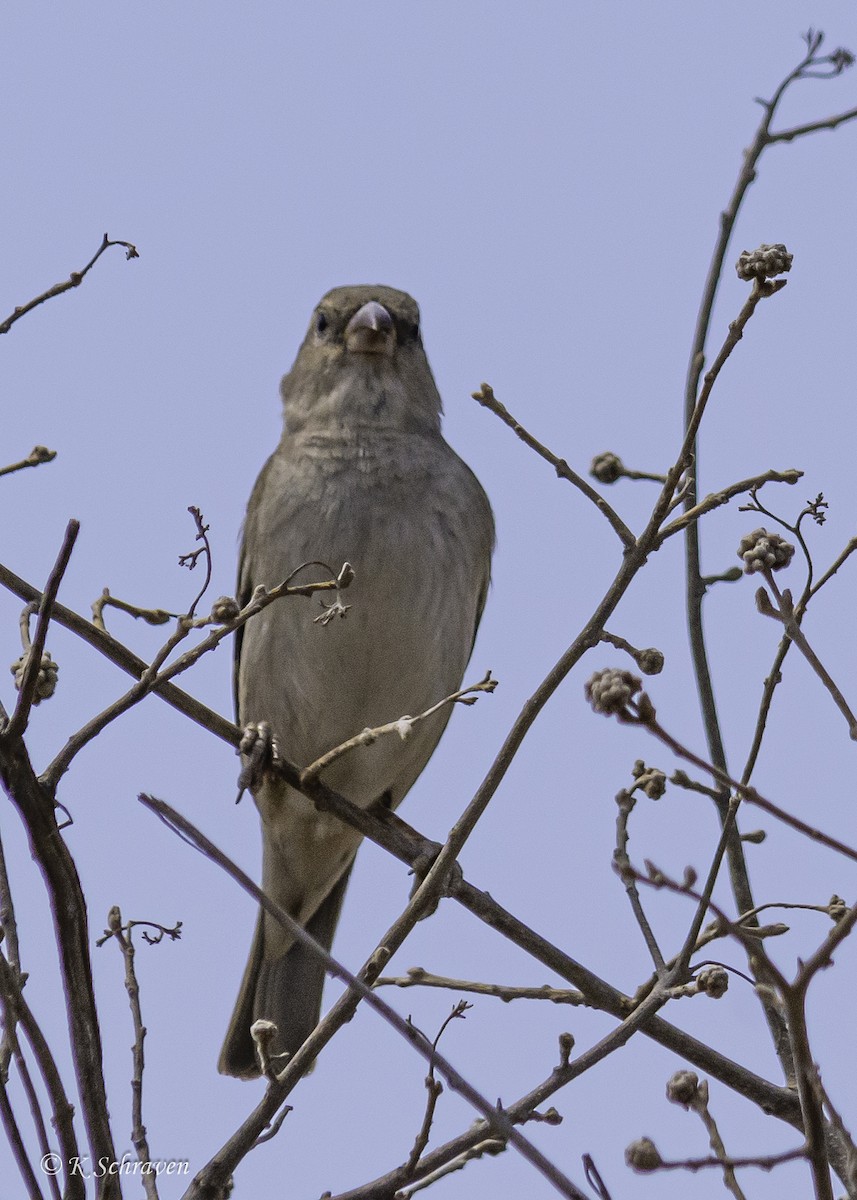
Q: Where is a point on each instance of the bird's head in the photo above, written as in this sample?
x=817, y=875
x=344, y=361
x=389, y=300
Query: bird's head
x=362, y=364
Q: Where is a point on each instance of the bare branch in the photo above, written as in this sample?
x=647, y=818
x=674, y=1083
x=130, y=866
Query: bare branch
x=17, y=1011
x=435, y=1090
x=696, y=585
x=746, y=793
x=717, y=499
x=152, y=677
x=621, y=862
x=74, y=280
x=123, y=935
x=496, y=1117
x=488, y=400
x=36, y=807
x=785, y=613
x=18, y=722
x=418, y=977
x=16, y=1142
x=798, y=131
x=37, y=456
x=403, y=727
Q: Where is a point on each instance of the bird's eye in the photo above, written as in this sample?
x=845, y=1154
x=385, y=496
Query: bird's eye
x=414, y=332
x=320, y=323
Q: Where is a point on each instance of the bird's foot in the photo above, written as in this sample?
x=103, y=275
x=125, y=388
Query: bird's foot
x=421, y=866
x=258, y=750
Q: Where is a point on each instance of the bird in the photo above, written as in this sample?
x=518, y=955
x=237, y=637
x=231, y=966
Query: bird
x=362, y=474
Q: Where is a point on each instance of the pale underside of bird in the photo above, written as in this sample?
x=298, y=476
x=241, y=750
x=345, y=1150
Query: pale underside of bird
x=362, y=474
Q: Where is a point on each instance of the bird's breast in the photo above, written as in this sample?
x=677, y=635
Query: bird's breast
x=397, y=511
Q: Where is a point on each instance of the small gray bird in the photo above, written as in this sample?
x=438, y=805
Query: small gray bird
x=362, y=474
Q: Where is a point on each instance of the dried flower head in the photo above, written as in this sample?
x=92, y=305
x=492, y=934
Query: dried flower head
x=224, y=609
x=683, y=1088
x=840, y=59
x=643, y=1155
x=607, y=467
x=650, y=661
x=46, y=680
x=611, y=691
x=764, y=551
x=652, y=781
x=713, y=981
x=764, y=263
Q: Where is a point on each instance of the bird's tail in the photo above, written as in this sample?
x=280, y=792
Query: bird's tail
x=285, y=989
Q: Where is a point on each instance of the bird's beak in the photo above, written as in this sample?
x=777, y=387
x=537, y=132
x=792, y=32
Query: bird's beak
x=371, y=330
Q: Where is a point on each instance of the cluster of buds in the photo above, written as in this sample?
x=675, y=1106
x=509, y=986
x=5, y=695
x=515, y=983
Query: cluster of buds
x=764, y=263
x=713, y=982
x=685, y=1089
x=643, y=1156
x=224, y=610
x=607, y=467
x=612, y=692
x=650, y=661
x=46, y=680
x=764, y=551
x=652, y=781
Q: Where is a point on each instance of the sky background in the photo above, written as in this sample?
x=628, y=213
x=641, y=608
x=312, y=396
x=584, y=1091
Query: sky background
x=546, y=181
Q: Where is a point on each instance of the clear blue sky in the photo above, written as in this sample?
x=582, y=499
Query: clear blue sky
x=545, y=179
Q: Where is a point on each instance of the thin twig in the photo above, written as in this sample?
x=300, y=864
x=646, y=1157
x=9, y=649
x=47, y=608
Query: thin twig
x=11, y=1048
x=152, y=616
x=404, y=727
x=491, y=1146
x=37, y=456
x=785, y=613
x=650, y=660
x=625, y=802
x=190, y=560
x=634, y=559
x=797, y=131
x=394, y=835
x=123, y=935
x=434, y=1089
x=487, y=399
x=74, y=280
x=274, y=1127
x=793, y=1000
x=8, y=923
x=717, y=499
x=765, y=1162
x=17, y=1011
x=418, y=977
x=716, y=1142
x=36, y=807
x=691, y=942
x=831, y=570
x=460, y=1148
x=748, y=793
x=822, y=956
x=774, y=676
x=151, y=678
x=18, y=721
x=16, y=1142
x=495, y=1116
x=696, y=587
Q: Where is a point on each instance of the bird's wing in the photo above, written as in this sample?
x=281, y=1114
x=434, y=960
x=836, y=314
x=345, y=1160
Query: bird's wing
x=246, y=581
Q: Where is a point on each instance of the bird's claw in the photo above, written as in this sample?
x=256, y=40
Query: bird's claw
x=258, y=751
x=421, y=866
